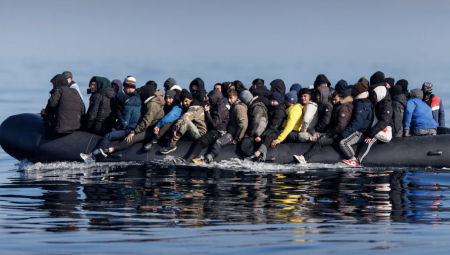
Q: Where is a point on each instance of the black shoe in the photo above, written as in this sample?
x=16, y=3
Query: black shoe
x=260, y=158
x=149, y=145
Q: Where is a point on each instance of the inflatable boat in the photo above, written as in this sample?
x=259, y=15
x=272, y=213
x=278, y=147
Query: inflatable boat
x=22, y=137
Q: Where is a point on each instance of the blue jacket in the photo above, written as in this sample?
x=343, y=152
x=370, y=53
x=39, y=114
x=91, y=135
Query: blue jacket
x=172, y=116
x=362, y=117
x=418, y=115
x=131, y=114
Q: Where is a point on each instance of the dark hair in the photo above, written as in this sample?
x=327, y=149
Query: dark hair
x=239, y=86
x=258, y=82
x=341, y=95
x=220, y=84
x=232, y=93
x=304, y=91
x=152, y=83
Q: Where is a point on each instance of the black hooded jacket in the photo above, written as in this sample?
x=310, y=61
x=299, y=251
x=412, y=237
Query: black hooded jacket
x=324, y=110
x=199, y=95
x=383, y=112
x=218, y=116
x=276, y=117
x=377, y=79
x=101, y=115
x=399, y=103
x=64, y=109
x=321, y=78
x=279, y=86
x=262, y=93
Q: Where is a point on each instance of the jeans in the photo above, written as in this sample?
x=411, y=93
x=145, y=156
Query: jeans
x=422, y=132
x=112, y=136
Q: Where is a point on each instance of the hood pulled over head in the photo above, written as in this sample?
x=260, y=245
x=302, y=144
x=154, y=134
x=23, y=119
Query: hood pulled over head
x=381, y=92
x=324, y=94
x=147, y=91
x=199, y=83
x=59, y=81
x=215, y=97
x=377, y=77
x=321, y=78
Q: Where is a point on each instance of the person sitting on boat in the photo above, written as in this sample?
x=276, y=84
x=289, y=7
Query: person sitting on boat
x=340, y=118
x=120, y=98
x=236, y=128
x=277, y=85
x=218, y=86
x=258, y=89
x=257, y=123
x=322, y=81
x=217, y=118
x=399, y=103
x=239, y=86
x=276, y=117
x=62, y=114
x=404, y=83
x=191, y=124
x=225, y=88
x=324, y=110
x=435, y=102
x=362, y=118
x=380, y=129
x=310, y=117
x=418, y=116
x=100, y=117
x=152, y=111
x=74, y=85
x=171, y=84
x=131, y=115
x=198, y=92
x=293, y=122
x=172, y=112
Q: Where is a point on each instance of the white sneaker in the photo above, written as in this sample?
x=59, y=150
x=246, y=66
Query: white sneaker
x=87, y=158
x=300, y=159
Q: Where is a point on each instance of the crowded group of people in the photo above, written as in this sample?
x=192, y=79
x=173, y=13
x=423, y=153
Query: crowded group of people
x=255, y=119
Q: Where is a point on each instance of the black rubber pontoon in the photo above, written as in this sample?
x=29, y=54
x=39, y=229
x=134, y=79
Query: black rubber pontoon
x=22, y=137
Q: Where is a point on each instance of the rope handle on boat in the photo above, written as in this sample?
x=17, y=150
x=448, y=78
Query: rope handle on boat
x=434, y=153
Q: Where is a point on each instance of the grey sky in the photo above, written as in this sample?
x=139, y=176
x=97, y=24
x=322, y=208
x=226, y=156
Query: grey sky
x=224, y=40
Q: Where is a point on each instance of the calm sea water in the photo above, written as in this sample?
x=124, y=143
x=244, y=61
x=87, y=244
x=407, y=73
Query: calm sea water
x=231, y=208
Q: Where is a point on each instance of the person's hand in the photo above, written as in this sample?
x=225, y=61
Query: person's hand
x=233, y=142
x=207, y=108
x=407, y=134
x=129, y=137
x=315, y=134
x=156, y=130
x=258, y=139
x=274, y=143
x=368, y=140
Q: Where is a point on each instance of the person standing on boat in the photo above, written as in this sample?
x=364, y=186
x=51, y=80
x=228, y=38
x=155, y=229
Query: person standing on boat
x=276, y=117
x=100, y=117
x=435, y=103
x=130, y=117
x=172, y=112
x=340, y=118
x=64, y=111
x=236, y=128
x=191, y=124
x=217, y=118
x=418, y=116
x=310, y=117
x=381, y=129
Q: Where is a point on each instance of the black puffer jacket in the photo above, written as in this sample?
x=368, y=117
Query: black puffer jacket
x=399, y=103
x=101, y=115
x=279, y=86
x=324, y=109
x=276, y=117
x=64, y=107
x=199, y=95
x=383, y=112
x=262, y=93
x=218, y=116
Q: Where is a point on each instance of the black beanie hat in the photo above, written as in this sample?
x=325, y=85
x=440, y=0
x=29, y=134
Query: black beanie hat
x=275, y=96
x=396, y=90
x=186, y=94
x=403, y=83
x=390, y=81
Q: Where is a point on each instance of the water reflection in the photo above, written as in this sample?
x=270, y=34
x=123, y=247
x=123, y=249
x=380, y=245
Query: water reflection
x=137, y=197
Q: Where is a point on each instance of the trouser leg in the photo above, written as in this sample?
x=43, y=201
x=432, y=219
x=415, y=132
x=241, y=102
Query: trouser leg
x=316, y=146
x=247, y=145
x=292, y=137
x=112, y=136
x=266, y=141
x=365, y=150
x=143, y=136
x=346, y=143
x=221, y=142
x=163, y=130
x=203, y=142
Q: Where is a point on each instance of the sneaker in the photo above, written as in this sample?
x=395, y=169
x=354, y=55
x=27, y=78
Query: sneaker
x=168, y=149
x=87, y=158
x=209, y=158
x=300, y=159
x=149, y=145
x=260, y=158
x=198, y=161
x=351, y=162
